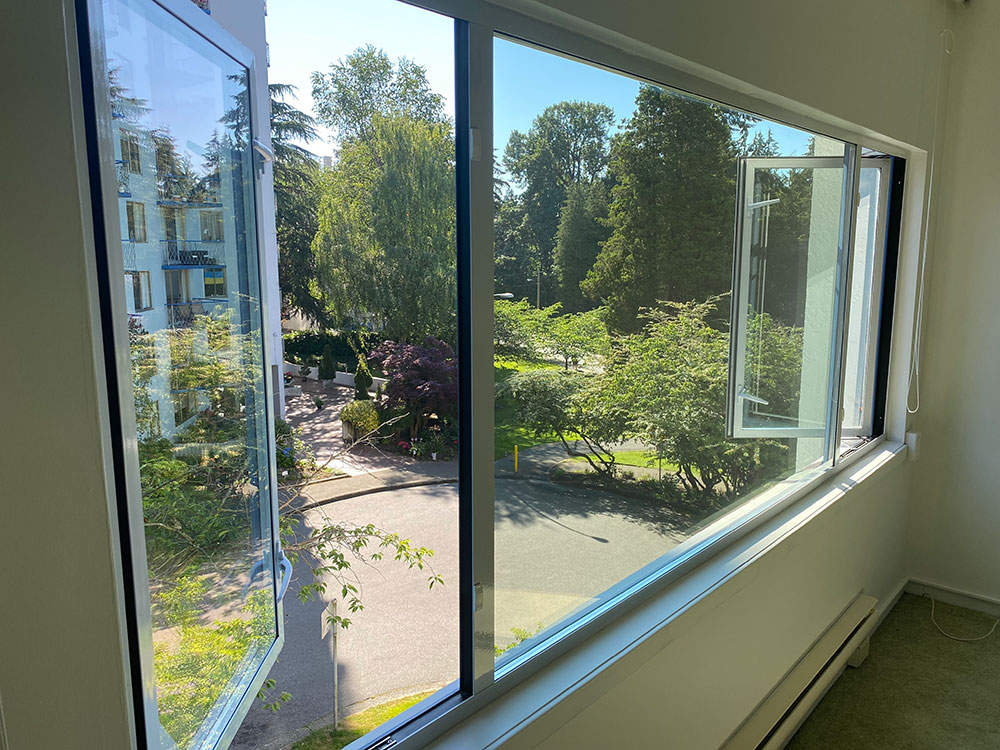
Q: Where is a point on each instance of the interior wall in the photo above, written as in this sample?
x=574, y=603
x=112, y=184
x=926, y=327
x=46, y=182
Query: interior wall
x=956, y=504
x=62, y=671
x=867, y=62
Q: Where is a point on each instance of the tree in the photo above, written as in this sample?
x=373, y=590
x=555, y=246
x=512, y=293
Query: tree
x=561, y=402
x=671, y=212
x=567, y=144
x=575, y=336
x=365, y=85
x=670, y=380
x=423, y=379
x=582, y=230
x=296, y=203
x=385, y=249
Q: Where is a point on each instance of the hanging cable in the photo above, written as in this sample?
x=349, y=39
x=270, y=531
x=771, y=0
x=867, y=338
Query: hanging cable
x=947, y=38
x=996, y=623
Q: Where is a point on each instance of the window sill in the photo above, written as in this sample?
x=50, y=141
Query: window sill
x=518, y=702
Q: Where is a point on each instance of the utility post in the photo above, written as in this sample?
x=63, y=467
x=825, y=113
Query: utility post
x=328, y=629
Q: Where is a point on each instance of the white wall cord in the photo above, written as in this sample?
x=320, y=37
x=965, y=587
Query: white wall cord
x=947, y=38
x=996, y=623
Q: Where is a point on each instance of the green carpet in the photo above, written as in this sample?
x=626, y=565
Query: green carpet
x=917, y=690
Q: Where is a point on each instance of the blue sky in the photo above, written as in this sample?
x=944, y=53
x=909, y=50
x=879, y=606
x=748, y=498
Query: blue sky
x=308, y=35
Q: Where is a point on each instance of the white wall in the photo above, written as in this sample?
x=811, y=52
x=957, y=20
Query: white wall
x=957, y=482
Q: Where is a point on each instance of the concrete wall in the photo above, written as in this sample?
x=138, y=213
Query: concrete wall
x=956, y=506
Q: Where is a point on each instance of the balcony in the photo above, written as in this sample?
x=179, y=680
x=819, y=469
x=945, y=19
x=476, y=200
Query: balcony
x=190, y=253
x=121, y=169
x=182, y=314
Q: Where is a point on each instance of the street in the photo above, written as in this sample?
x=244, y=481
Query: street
x=557, y=546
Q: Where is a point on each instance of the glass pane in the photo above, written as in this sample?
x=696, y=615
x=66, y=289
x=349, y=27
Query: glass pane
x=365, y=215
x=614, y=225
x=866, y=277
x=790, y=272
x=197, y=368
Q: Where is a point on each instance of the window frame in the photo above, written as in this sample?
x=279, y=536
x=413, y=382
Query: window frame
x=135, y=217
x=482, y=681
x=113, y=333
x=140, y=282
x=216, y=282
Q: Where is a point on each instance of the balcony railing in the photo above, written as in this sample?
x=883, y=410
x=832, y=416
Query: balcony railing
x=121, y=168
x=190, y=253
x=181, y=314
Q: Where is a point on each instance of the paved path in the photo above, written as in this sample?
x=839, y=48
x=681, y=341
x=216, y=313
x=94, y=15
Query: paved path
x=556, y=548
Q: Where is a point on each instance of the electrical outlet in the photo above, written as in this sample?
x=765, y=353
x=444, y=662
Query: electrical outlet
x=913, y=445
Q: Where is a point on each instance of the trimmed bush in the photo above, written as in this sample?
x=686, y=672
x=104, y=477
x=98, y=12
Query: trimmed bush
x=362, y=382
x=362, y=416
x=327, y=368
x=306, y=347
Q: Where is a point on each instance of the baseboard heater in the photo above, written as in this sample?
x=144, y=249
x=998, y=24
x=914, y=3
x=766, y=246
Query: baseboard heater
x=782, y=712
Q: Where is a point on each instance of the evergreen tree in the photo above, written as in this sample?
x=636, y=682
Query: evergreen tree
x=582, y=230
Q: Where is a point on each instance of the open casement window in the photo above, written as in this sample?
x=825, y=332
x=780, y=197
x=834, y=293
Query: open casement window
x=789, y=260
x=204, y=567
x=865, y=300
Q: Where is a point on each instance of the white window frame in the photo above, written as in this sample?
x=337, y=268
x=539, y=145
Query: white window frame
x=134, y=567
x=419, y=725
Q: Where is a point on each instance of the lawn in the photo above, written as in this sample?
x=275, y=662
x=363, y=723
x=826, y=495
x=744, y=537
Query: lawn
x=637, y=458
x=332, y=738
x=506, y=432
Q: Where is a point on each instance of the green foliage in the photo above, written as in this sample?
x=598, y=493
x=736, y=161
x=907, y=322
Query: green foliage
x=670, y=383
x=582, y=230
x=366, y=85
x=507, y=429
x=386, y=243
x=292, y=452
x=357, y=725
x=576, y=336
x=306, y=347
x=517, y=327
x=296, y=202
x=566, y=145
x=362, y=381
x=565, y=404
x=671, y=212
x=195, y=670
x=327, y=367
x=362, y=416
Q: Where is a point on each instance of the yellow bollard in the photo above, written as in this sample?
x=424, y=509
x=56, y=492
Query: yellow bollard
x=515, y=459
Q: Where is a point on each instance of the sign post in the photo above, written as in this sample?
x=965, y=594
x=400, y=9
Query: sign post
x=328, y=629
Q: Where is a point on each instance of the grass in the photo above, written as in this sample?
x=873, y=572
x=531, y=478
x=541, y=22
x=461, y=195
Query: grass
x=506, y=431
x=358, y=725
x=638, y=458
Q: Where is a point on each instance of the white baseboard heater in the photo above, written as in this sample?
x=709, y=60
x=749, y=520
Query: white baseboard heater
x=782, y=712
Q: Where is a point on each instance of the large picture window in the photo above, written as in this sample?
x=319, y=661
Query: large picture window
x=569, y=329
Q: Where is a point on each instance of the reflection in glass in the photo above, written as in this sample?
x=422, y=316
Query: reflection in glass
x=177, y=107
x=614, y=226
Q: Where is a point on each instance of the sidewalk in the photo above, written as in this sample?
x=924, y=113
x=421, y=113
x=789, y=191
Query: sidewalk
x=419, y=474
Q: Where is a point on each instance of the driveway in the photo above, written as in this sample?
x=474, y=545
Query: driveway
x=557, y=547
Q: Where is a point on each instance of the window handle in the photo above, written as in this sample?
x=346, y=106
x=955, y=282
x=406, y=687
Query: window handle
x=265, y=153
x=286, y=576
x=751, y=398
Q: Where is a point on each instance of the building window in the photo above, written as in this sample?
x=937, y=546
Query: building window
x=215, y=282
x=135, y=213
x=174, y=223
x=130, y=152
x=185, y=406
x=211, y=226
x=177, y=285
x=138, y=291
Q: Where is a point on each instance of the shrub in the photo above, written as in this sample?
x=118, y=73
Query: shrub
x=362, y=416
x=362, y=382
x=423, y=380
x=305, y=347
x=327, y=368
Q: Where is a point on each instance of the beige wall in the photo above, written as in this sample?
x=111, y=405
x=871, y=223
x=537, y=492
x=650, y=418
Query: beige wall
x=61, y=667
x=956, y=508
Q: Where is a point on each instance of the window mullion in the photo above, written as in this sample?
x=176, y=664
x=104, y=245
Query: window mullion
x=473, y=123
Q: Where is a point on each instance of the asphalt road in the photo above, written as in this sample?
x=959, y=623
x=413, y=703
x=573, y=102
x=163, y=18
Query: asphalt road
x=556, y=548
